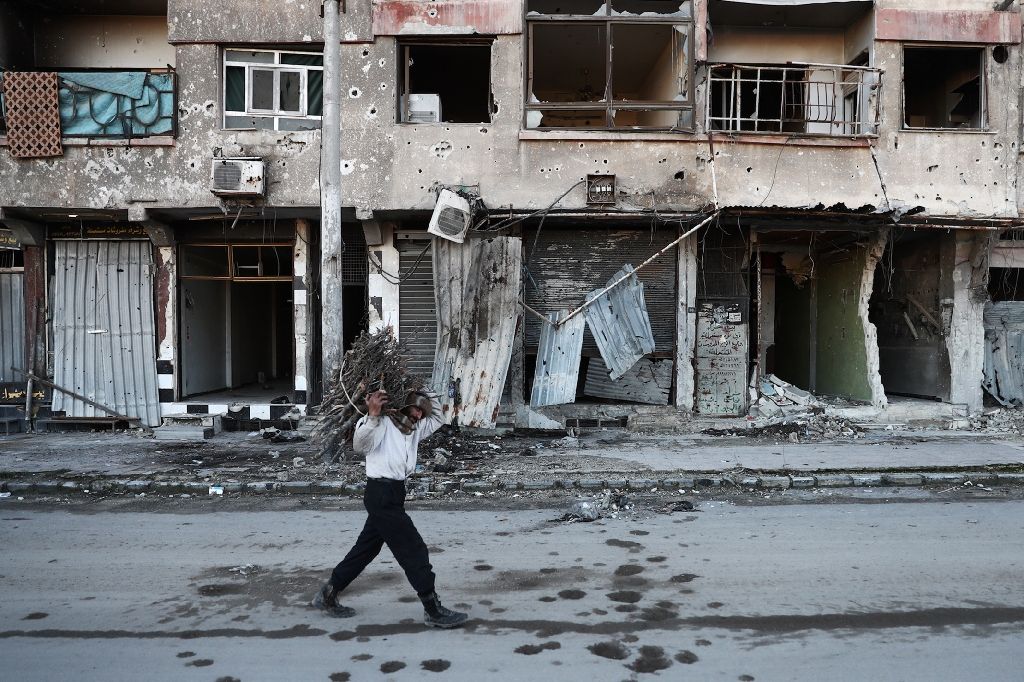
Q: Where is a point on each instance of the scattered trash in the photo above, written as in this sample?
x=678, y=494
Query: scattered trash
x=567, y=442
x=5, y=494
x=216, y=490
x=283, y=476
x=582, y=511
x=298, y=462
x=248, y=569
x=274, y=454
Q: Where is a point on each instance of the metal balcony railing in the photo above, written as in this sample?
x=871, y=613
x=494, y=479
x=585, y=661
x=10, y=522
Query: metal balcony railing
x=830, y=100
x=115, y=103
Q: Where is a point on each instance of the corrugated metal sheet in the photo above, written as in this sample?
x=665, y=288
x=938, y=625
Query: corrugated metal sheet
x=12, y=325
x=417, y=312
x=558, y=361
x=620, y=323
x=104, y=341
x=477, y=285
x=1004, y=352
x=569, y=263
x=648, y=381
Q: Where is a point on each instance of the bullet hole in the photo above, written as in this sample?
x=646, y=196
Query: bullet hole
x=931, y=169
x=366, y=53
x=383, y=86
x=581, y=145
x=606, y=162
x=749, y=168
x=483, y=130
x=419, y=170
x=354, y=93
x=432, y=13
x=467, y=146
x=680, y=175
x=373, y=111
x=382, y=61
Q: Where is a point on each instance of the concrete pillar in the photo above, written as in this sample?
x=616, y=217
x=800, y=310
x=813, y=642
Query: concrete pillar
x=300, y=308
x=965, y=339
x=166, y=292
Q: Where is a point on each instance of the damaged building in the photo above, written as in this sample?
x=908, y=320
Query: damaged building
x=572, y=212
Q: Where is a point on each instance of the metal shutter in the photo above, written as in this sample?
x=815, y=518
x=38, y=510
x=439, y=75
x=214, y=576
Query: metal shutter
x=12, y=326
x=568, y=264
x=104, y=335
x=417, y=313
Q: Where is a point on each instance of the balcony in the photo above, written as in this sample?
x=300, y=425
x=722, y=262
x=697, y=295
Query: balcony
x=825, y=100
x=87, y=104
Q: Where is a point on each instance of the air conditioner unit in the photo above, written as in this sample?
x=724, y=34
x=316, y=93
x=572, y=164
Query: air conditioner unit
x=242, y=177
x=451, y=217
x=424, y=109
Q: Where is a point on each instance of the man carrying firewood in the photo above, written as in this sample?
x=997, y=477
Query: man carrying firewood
x=390, y=439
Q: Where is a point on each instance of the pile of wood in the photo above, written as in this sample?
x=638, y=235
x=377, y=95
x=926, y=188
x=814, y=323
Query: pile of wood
x=375, y=361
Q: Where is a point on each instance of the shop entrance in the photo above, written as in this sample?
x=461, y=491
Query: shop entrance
x=237, y=327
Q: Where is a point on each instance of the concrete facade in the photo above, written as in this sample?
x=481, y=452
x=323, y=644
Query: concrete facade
x=963, y=182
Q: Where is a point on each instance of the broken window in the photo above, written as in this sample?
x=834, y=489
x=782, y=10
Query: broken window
x=626, y=65
x=944, y=87
x=237, y=262
x=273, y=90
x=822, y=99
x=446, y=83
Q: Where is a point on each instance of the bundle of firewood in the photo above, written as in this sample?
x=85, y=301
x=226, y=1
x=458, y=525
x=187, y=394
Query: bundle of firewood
x=376, y=361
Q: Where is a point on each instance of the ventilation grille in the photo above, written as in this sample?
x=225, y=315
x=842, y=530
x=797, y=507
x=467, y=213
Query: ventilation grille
x=452, y=221
x=227, y=176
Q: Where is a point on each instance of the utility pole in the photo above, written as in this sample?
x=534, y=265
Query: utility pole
x=331, y=245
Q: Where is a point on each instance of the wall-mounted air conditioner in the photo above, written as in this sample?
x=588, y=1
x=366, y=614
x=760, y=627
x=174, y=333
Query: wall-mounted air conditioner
x=451, y=218
x=423, y=109
x=241, y=177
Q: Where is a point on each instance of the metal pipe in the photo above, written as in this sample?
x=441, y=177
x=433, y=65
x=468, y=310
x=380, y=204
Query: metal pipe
x=637, y=269
x=331, y=246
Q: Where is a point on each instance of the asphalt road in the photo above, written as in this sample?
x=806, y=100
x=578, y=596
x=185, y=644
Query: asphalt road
x=217, y=590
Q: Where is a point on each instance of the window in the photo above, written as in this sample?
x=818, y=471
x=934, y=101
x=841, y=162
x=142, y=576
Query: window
x=811, y=99
x=237, y=262
x=622, y=64
x=273, y=90
x=446, y=83
x=944, y=87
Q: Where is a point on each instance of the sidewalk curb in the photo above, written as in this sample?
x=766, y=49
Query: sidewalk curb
x=908, y=479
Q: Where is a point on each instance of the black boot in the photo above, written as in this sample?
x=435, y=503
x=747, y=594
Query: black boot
x=438, y=616
x=326, y=600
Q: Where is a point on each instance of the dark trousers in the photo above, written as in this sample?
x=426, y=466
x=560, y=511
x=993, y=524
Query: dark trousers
x=387, y=522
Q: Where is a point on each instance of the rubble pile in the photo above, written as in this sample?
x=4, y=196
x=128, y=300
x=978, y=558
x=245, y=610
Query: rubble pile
x=801, y=428
x=778, y=399
x=1000, y=420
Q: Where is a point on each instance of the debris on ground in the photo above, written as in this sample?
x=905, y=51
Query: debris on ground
x=1000, y=420
x=677, y=506
x=803, y=428
x=582, y=511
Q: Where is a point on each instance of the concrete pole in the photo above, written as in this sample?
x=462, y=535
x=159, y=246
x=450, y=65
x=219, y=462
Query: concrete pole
x=331, y=246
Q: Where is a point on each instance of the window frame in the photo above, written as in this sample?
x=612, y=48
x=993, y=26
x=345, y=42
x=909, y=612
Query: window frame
x=403, y=46
x=609, y=106
x=276, y=67
x=982, y=99
x=232, y=268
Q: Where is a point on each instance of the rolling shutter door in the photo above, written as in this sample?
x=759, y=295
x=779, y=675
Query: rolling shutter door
x=417, y=315
x=568, y=264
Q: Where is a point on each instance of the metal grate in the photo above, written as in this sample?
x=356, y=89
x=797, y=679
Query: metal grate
x=227, y=175
x=353, y=260
x=33, y=114
x=813, y=99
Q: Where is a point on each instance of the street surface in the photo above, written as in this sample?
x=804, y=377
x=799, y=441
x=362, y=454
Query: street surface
x=217, y=589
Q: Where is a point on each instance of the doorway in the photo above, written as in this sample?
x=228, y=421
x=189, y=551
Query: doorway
x=236, y=322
